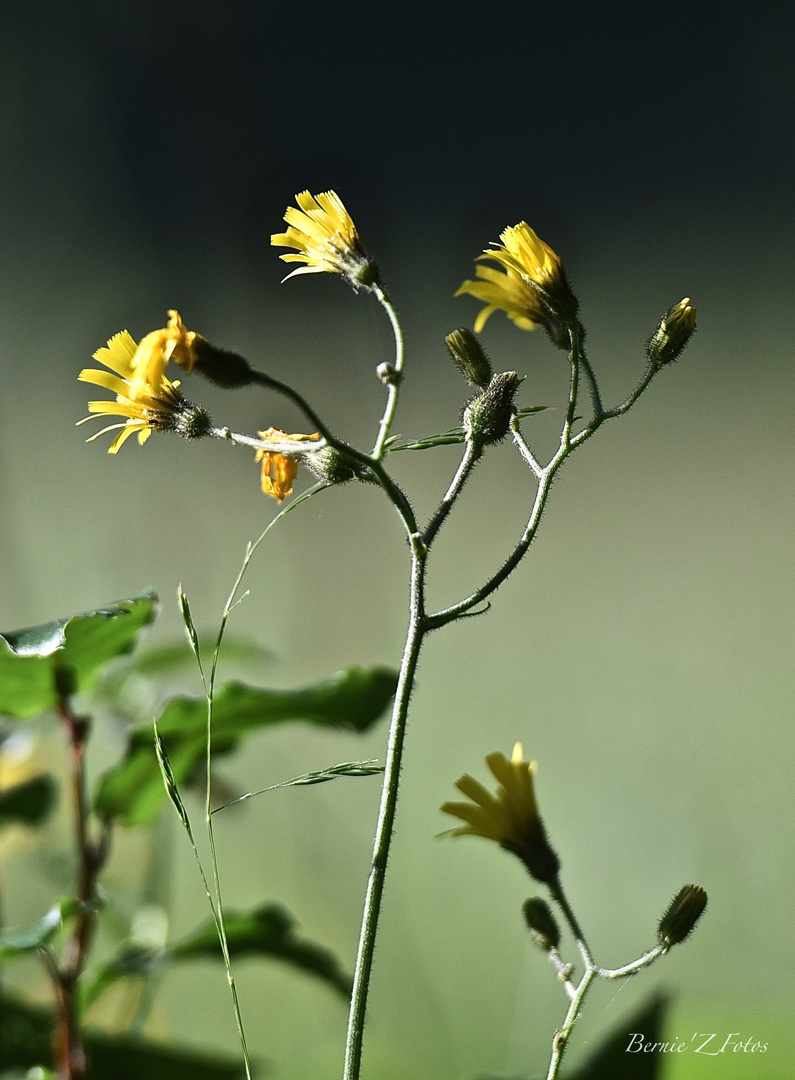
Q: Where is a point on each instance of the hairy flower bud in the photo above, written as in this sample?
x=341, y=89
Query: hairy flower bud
x=469, y=357
x=675, y=330
x=681, y=915
x=487, y=416
x=541, y=923
x=332, y=466
x=225, y=369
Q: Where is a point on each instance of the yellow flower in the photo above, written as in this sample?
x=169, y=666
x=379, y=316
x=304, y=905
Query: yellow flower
x=151, y=357
x=530, y=285
x=325, y=238
x=510, y=817
x=144, y=396
x=279, y=469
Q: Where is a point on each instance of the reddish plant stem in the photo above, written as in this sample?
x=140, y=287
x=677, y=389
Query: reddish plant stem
x=68, y=1050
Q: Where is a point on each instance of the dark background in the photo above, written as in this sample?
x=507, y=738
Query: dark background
x=644, y=655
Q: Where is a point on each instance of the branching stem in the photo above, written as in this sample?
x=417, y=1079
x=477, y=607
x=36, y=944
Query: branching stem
x=592, y=971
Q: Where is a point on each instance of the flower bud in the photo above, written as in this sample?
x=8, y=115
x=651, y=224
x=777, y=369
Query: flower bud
x=469, y=357
x=225, y=369
x=673, y=333
x=330, y=465
x=541, y=923
x=388, y=374
x=487, y=416
x=681, y=915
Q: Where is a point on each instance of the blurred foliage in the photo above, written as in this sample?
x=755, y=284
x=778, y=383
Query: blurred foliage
x=611, y=1060
x=267, y=931
x=133, y=792
x=42, y=664
x=39, y=669
x=26, y=1036
x=29, y=802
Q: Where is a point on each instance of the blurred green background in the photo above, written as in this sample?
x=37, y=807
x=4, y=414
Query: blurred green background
x=642, y=653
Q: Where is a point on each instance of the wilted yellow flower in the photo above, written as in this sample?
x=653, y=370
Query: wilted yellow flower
x=325, y=238
x=151, y=357
x=279, y=469
x=150, y=403
x=510, y=816
x=530, y=285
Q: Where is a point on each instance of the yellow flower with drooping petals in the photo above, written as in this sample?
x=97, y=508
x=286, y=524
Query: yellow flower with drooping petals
x=326, y=241
x=529, y=284
x=149, y=402
x=510, y=816
x=155, y=350
x=279, y=469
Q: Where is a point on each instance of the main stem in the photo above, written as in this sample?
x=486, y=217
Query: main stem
x=386, y=814
x=69, y=1050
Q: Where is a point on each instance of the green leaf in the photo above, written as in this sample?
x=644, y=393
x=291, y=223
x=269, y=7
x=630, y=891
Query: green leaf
x=15, y=943
x=29, y=802
x=611, y=1059
x=26, y=1041
x=132, y=960
x=40, y=665
x=133, y=792
x=267, y=931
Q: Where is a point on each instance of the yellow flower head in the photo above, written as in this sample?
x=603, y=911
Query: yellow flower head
x=148, y=403
x=326, y=241
x=530, y=285
x=279, y=469
x=151, y=357
x=510, y=816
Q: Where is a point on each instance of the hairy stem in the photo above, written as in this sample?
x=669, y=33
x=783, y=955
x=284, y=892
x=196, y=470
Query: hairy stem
x=386, y=814
x=561, y=1036
x=471, y=457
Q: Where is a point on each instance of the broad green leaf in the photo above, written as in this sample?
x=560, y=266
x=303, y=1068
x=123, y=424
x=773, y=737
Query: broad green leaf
x=15, y=943
x=267, y=931
x=26, y=1041
x=43, y=663
x=612, y=1060
x=133, y=792
x=29, y=802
